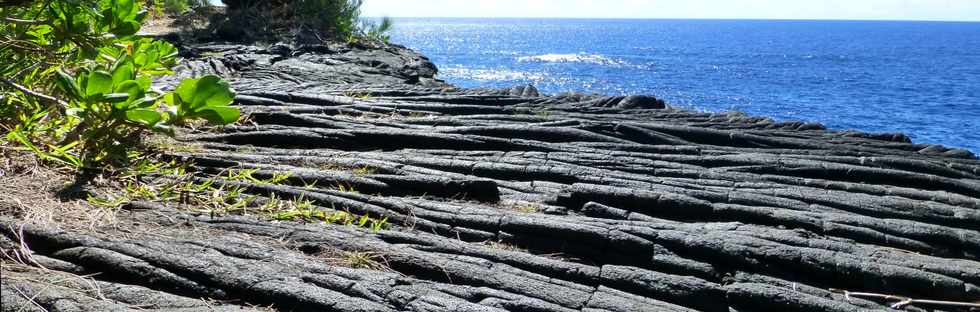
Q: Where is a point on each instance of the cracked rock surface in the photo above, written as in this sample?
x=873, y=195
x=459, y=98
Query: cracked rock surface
x=507, y=200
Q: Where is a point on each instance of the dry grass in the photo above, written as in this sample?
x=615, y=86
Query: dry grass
x=39, y=194
x=525, y=207
x=32, y=283
x=158, y=25
x=194, y=21
x=364, y=260
x=504, y=246
x=171, y=145
x=364, y=170
x=22, y=272
x=43, y=281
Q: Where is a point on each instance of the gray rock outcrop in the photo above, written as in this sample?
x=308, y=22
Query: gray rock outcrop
x=508, y=200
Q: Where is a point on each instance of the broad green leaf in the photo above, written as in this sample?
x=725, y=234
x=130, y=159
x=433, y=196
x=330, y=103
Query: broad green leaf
x=112, y=53
x=126, y=28
x=207, y=97
x=172, y=110
x=168, y=52
x=221, y=115
x=147, y=117
x=125, y=9
x=140, y=59
x=152, y=56
x=143, y=102
x=116, y=98
x=132, y=88
x=156, y=69
x=211, y=92
x=122, y=72
x=172, y=98
x=186, y=91
x=99, y=82
x=144, y=81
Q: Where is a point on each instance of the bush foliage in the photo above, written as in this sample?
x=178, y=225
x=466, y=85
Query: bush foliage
x=175, y=7
x=76, y=82
x=319, y=19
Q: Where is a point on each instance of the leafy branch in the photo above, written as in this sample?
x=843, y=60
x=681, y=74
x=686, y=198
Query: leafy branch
x=78, y=85
x=33, y=93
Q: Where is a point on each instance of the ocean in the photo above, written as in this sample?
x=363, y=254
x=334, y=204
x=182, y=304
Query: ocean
x=919, y=78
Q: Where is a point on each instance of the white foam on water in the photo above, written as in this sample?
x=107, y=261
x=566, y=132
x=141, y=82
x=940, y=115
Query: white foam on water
x=571, y=58
x=489, y=74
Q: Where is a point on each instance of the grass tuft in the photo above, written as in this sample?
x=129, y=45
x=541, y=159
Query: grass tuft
x=364, y=170
x=504, y=246
x=362, y=260
x=168, y=144
x=527, y=208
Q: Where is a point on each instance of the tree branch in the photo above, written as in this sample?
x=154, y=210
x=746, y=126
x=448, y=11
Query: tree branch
x=23, y=21
x=33, y=93
x=904, y=301
x=6, y=3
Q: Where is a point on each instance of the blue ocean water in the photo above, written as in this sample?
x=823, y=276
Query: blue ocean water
x=920, y=78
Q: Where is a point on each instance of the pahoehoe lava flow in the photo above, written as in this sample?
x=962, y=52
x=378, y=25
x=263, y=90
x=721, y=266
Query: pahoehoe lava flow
x=634, y=205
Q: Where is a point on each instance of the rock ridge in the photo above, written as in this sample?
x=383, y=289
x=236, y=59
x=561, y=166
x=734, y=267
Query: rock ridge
x=510, y=200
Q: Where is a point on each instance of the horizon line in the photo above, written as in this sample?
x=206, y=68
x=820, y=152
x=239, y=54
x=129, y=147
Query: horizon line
x=693, y=18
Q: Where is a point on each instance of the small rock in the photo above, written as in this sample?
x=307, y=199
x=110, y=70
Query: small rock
x=641, y=102
x=280, y=49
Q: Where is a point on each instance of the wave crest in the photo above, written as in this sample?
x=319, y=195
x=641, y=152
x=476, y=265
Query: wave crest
x=489, y=74
x=571, y=58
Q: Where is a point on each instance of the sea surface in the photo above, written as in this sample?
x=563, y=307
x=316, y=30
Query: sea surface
x=919, y=78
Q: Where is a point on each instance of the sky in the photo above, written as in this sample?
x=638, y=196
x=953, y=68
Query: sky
x=942, y=10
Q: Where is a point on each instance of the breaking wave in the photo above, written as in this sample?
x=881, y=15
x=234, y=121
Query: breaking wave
x=571, y=58
x=489, y=74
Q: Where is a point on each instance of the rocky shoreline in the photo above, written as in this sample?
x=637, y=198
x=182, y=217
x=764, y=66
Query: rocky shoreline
x=509, y=200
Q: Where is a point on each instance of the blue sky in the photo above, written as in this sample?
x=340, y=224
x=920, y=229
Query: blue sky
x=950, y=10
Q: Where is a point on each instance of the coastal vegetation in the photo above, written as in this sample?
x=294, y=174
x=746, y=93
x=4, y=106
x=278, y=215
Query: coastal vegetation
x=77, y=80
x=174, y=7
x=77, y=92
x=78, y=83
x=304, y=20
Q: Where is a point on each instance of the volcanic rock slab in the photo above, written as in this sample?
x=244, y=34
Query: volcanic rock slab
x=507, y=200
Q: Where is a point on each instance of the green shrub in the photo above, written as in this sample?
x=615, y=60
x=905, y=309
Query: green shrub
x=76, y=83
x=174, y=7
x=329, y=16
x=377, y=31
x=323, y=19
